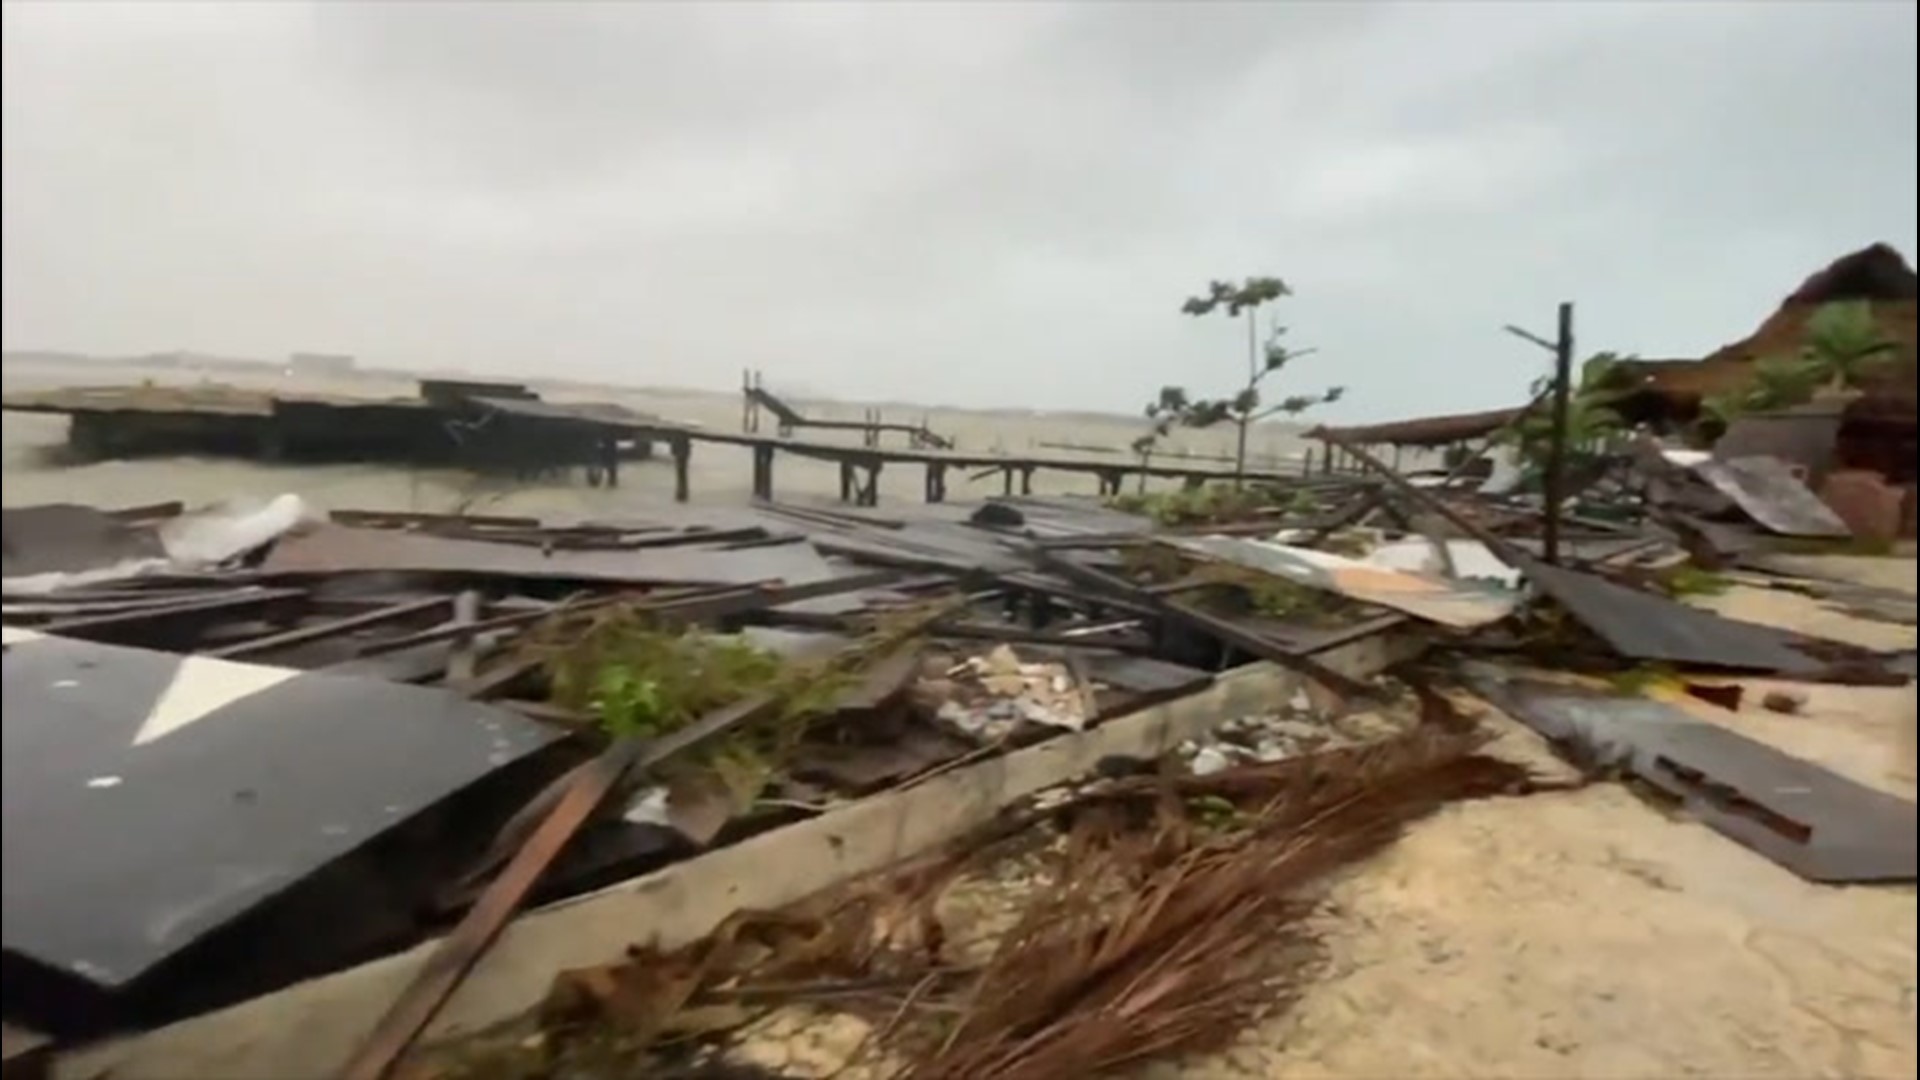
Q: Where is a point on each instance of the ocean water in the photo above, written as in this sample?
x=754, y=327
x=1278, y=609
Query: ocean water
x=34, y=471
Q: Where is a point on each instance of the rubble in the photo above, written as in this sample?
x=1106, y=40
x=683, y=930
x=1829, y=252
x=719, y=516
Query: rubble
x=719, y=682
x=988, y=697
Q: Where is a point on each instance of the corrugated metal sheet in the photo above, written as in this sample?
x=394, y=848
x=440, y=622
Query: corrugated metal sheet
x=1767, y=491
x=1459, y=604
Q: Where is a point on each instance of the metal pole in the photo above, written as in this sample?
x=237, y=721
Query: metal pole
x=1557, y=449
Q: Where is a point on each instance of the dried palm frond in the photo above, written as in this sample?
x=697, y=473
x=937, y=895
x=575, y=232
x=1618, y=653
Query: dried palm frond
x=1107, y=970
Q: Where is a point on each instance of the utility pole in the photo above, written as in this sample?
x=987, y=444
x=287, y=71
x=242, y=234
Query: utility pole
x=1555, y=479
x=1253, y=376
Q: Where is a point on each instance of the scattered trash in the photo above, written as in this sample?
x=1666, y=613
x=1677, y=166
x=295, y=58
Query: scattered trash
x=990, y=696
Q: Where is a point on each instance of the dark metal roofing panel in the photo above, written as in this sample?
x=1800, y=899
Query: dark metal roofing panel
x=1808, y=819
x=334, y=548
x=63, y=538
x=594, y=412
x=1429, y=430
x=1644, y=626
x=1769, y=493
x=150, y=798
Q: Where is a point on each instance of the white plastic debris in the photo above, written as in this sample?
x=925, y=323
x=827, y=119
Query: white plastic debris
x=1210, y=760
x=216, y=535
x=649, y=807
x=197, y=541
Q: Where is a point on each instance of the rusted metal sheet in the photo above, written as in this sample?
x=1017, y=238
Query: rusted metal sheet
x=1816, y=823
x=1459, y=604
x=1767, y=491
x=1643, y=626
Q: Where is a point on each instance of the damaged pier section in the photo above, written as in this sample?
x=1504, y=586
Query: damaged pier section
x=489, y=426
x=1026, y=788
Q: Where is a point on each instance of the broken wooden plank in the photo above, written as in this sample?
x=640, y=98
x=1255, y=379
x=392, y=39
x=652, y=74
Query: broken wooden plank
x=303, y=634
x=460, y=950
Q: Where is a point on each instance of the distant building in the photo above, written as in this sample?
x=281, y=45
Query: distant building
x=306, y=363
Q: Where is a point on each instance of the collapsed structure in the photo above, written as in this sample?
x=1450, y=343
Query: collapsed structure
x=275, y=764
x=1025, y=788
x=1856, y=449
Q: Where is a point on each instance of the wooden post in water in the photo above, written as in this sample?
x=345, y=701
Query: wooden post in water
x=682, y=460
x=763, y=471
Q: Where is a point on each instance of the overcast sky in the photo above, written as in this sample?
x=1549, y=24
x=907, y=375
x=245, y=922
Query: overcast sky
x=978, y=204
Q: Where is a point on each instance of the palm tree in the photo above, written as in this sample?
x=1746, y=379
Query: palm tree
x=1844, y=346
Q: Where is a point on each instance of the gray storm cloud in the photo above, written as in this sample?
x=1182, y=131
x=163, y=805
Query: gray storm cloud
x=975, y=204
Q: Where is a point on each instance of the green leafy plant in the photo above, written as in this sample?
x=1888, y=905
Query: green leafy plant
x=1844, y=345
x=1175, y=406
x=1688, y=580
x=642, y=681
x=1592, y=420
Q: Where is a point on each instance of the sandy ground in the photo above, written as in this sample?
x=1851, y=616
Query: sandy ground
x=1585, y=934
x=1589, y=935
x=720, y=473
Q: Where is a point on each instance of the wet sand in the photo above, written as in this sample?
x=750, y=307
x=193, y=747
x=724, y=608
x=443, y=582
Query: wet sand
x=719, y=473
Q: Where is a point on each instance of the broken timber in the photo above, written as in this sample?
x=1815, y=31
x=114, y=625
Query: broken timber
x=309, y=1030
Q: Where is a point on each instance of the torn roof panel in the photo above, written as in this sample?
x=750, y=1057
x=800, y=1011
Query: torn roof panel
x=1459, y=604
x=1643, y=626
x=1428, y=430
x=1767, y=491
x=61, y=538
x=150, y=799
x=1472, y=559
x=1808, y=819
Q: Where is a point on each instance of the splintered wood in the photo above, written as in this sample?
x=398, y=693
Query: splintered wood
x=1133, y=918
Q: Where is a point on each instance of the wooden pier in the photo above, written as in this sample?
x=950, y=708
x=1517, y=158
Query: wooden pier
x=757, y=399
x=861, y=466
x=497, y=426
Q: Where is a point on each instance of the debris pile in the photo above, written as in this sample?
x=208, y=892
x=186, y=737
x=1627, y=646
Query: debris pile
x=1066, y=755
x=991, y=695
x=1116, y=932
